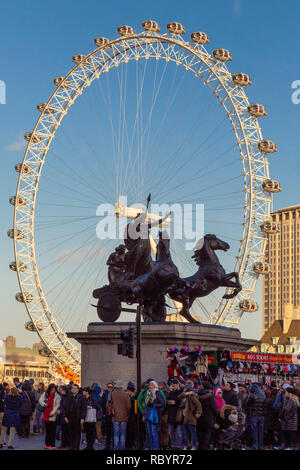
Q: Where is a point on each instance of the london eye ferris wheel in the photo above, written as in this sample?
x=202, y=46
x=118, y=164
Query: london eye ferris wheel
x=147, y=111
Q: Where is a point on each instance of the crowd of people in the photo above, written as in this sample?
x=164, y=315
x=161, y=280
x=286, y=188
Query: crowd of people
x=172, y=415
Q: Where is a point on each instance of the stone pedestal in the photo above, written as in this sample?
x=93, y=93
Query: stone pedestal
x=101, y=363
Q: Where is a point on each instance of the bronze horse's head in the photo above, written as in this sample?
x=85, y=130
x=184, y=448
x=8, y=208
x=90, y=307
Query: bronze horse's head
x=215, y=243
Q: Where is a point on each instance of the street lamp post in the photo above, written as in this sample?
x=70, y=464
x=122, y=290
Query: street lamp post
x=138, y=370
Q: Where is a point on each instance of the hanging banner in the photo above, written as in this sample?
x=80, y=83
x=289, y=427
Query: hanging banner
x=212, y=359
x=263, y=357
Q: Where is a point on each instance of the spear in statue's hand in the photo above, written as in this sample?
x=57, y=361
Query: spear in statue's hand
x=148, y=200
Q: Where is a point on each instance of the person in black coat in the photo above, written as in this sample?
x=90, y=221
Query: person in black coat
x=255, y=409
x=65, y=431
x=107, y=416
x=27, y=408
x=132, y=424
x=75, y=412
x=230, y=396
x=2, y=394
x=93, y=407
x=175, y=428
x=206, y=422
x=271, y=424
x=11, y=417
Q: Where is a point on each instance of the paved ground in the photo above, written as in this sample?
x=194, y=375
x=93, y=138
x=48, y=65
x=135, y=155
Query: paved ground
x=37, y=442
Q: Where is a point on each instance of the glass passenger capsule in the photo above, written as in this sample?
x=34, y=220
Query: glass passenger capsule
x=200, y=38
x=248, y=305
x=222, y=54
x=78, y=58
x=101, y=42
x=61, y=81
x=27, y=296
x=30, y=326
x=241, y=79
x=18, y=234
x=26, y=169
x=35, y=138
x=257, y=110
x=13, y=266
x=20, y=202
x=43, y=108
x=261, y=268
x=271, y=186
x=269, y=227
x=125, y=30
x=151, y=26
x=175, y=28
x=45, y=352
x=267, y=146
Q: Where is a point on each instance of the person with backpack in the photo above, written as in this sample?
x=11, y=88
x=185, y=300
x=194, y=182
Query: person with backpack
x=38, y=422
x=97, y=394
x=255, y=409
x=26, y=410
x=191, y=412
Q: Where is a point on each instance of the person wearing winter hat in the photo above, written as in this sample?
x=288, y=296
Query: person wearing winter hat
x=255, y=410
x=206, y=422
x=230, y=395
x=97, y=394
x=132, y=424
x=219, y=399
x=175, y=428
x=154, y=402
x=121, y=409
x=191, y=412
x=289, y=417
x=131, y=387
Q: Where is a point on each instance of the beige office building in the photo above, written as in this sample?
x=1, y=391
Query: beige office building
x=281, y=296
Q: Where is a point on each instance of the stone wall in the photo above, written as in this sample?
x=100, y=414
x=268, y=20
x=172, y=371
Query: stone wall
x=101, y=363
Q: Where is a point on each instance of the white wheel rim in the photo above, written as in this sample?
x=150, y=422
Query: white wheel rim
x=255, y=166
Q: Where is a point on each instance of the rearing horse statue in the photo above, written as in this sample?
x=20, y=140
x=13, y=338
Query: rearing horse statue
x=209, y=277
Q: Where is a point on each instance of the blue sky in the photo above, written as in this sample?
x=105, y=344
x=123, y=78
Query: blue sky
x=38, y=40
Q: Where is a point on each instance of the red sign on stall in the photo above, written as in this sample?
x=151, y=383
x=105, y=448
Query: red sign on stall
x=263, y=357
